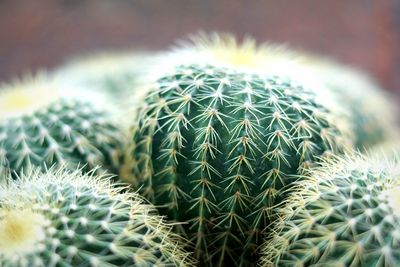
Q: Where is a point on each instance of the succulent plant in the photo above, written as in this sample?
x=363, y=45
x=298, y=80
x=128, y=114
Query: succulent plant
x=65, y=218
x=41, y=125
x=216, y=149
x=346, y=214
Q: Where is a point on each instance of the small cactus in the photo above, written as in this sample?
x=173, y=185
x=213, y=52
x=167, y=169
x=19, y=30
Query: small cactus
x=346, y=214
x=41, y=125
x=64, y=218
x=216, y=149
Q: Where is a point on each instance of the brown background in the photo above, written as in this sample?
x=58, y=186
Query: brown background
x=44, y=33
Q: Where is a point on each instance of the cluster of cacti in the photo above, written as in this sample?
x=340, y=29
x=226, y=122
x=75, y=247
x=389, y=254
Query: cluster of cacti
x=240, y=146
x=64, y=218
x=346, y=214
x=41, y=125
x=217, y=149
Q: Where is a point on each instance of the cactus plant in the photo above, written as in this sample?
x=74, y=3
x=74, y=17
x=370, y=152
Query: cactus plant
x=64, y=218
x=41, y=126
x=215, y=148
x=346, y=214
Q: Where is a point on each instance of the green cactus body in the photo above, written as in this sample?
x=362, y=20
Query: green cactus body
x=347, y=214
x=71, y=130
x=63, y=218
x=215, y=149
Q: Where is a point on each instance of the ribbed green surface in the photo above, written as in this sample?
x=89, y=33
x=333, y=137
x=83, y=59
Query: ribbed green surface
x=216, y=149
x=348, y=219
x=88, y=223
x=70, y=132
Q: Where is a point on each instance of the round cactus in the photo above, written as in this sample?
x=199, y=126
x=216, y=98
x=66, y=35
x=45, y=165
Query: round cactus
x=64, y=218
x=216, y=148
x=41, y=125
x=346, y=214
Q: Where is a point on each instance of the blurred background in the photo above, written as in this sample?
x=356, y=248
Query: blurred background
x=44, y=34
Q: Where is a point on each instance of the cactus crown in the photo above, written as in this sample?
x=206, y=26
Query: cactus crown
x=26, y=96
x=216, y=148
x=60, y=128
x=19, y=237
x=69, y=219
x=346, y=214
x=224, y=50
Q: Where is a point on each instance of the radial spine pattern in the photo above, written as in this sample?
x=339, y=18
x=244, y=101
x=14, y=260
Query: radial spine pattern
x=216, y=149
x=69, y=130
x=64, y=218
x=347, y=214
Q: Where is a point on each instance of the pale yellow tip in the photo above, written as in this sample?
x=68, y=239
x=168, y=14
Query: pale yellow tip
x=20, y=232
x=225, y=50
x=25, y=97
x=236, y=55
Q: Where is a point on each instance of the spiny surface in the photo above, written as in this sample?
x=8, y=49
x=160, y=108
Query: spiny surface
x=346, y=215
x=69, y=131
x=62, y=218
x=216, y=149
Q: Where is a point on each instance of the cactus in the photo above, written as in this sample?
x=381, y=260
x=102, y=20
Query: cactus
x=215, y=148
x=346, y=214
x=64, y=218
x=41, y=126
